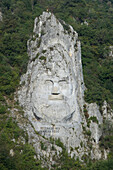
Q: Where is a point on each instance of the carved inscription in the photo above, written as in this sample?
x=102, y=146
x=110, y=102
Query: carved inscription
x=49, y=129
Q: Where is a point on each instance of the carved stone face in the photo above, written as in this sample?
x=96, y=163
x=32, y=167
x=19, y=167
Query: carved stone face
x=54, y=92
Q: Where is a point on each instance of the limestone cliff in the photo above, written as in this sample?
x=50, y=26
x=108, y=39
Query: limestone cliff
x=1, y=17
x=54, y=82
x=52, y=91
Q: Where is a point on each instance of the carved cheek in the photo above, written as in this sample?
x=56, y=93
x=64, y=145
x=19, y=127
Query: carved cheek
x=43, y=89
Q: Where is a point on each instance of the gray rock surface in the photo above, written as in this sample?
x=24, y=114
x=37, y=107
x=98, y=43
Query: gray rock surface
x=1, y=17
x=111, y=51
x=52, y=90
x=107, y=112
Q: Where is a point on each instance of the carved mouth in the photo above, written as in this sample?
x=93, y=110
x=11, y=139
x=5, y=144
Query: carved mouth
x=56, y=97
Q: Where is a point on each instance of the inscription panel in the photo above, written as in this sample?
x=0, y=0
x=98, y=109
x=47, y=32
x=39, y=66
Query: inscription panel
x=49, y=130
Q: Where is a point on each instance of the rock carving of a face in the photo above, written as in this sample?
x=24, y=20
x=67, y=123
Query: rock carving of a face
x=54, y=91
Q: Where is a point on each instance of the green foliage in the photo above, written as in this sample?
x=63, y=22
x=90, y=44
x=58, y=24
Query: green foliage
x=35, y=57
x=43, y=146
x=43, y=58
x=2, y=98
x=59, y=143
x=66, y=162
x=101, y=165
x=11, y=137
x=85, y=112
x=88, y=133
x=14, y=33
x=39, y=42
x=106, y=140
x=94, y=119
x=3, y=109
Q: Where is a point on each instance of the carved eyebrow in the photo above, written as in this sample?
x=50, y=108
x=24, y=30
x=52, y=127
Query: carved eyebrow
x=62, y=81
x=49, y=81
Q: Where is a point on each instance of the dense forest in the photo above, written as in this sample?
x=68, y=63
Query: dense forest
x=93, y=21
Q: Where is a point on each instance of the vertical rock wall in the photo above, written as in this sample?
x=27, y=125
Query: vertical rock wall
x=52, y=90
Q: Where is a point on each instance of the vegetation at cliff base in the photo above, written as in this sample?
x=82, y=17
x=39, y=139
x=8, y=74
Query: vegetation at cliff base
x=15, y=152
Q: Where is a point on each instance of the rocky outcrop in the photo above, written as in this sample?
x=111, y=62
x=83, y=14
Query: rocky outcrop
x=107, y=112
x=111, y=51
x=1, y=17
x=52, y=90
x=54, y=85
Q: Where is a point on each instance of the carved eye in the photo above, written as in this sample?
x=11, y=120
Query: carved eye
x=48, y=84
x=63, y=84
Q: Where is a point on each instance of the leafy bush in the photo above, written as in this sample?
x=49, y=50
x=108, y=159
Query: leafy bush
x=3, y=109
x=106, y=140
x=24, y=154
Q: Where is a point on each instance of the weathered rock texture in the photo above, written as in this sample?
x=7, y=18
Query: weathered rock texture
x=52, y=90
x=1, y=17
x=111, y=51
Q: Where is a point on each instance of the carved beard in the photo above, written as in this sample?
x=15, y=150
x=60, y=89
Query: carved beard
x=54, y=111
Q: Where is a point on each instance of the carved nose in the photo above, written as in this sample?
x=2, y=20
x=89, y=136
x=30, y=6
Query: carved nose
x=55, y=91
x=55, y=94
